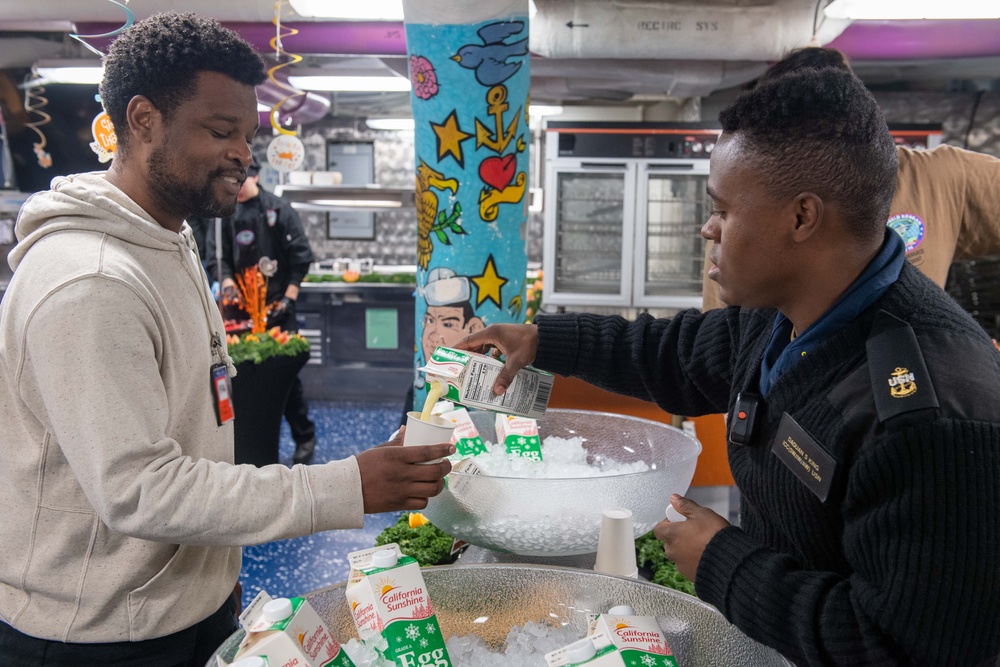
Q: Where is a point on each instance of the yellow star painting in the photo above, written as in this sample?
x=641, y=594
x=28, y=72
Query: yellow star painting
x=489, y=283
x=449, y=139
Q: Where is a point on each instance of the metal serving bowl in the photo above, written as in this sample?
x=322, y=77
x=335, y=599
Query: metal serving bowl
x=488, y=600
x=562, y=516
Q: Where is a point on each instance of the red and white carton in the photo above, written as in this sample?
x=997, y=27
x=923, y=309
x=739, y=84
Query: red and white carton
x=519, y=436
x=387, y=596
x=288, y=632
x=639, y=638
x=466, y=436
x=468, y=379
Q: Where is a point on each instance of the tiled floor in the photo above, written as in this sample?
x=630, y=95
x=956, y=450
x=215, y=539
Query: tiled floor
x=304, y=564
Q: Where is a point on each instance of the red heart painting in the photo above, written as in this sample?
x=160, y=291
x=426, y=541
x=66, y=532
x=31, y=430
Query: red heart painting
x=498, y=172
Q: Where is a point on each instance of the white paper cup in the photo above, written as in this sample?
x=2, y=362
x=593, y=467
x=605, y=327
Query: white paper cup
x=431, y=432
x=616, y=545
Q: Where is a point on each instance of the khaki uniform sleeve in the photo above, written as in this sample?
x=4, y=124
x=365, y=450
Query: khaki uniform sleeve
x=980, y=231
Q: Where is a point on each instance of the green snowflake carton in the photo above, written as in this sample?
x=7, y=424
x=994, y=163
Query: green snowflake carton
x=639, y=638
x=466, y=436
x=387, y=595
x=519, y=435
x=468, y=379
x=288, y=632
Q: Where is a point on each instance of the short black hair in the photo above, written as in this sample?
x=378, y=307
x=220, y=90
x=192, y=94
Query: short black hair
x=820, y=130
x=159, y=58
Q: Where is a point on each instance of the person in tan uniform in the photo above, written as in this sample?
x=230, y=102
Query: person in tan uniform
x=947, y=203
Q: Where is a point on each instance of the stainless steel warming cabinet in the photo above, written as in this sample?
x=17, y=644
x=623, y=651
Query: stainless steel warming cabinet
x=624, y=205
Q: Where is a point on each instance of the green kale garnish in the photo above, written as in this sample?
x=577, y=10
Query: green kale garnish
x=428, y=544
x=652, y=556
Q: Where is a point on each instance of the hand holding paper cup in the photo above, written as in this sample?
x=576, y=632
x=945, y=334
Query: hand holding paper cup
x=430, y=431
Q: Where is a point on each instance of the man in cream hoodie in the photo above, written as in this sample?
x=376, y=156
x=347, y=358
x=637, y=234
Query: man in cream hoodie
x=123, y=514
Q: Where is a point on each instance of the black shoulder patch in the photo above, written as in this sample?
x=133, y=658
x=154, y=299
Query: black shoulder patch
x=899, y=376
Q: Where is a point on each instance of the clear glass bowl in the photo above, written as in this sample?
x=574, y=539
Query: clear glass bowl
x=562, y=516
x=488, y=600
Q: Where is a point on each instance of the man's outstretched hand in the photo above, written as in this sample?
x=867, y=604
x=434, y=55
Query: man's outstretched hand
x=394, y=477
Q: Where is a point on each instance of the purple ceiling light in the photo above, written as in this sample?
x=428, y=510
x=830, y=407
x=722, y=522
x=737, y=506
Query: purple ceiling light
x=375, y=38
x=919, y=40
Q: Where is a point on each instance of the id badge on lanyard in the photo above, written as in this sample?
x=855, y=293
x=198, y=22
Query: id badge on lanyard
x=222, y=393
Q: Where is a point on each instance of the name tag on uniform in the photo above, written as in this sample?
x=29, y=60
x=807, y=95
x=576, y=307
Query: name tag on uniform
x=805, y=457
x=222, y=394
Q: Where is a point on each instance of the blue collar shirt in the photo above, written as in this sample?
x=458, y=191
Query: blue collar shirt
x=782, y=352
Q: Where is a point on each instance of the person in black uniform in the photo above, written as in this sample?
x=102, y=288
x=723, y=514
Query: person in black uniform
x=863, y=402
x=265, y=225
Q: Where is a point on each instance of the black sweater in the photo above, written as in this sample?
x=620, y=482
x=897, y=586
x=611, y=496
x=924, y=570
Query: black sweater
x=901, y=563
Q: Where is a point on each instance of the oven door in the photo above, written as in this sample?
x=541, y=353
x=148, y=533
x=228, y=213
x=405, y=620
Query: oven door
x=672, y=205
x=589, y=228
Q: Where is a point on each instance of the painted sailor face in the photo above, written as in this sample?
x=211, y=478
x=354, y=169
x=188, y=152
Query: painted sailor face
x=748, y=227
x=446, y=325
x=200, y=160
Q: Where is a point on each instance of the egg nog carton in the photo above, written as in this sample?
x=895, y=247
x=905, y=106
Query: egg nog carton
x=466, y=436
x=596, y=650
x=387, y=595
x=469, y=378
x=288, y=631
x=639, y=638
x=519, y=435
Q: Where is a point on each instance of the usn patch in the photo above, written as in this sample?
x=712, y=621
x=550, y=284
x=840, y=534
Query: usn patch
x=902, y=383
x=898, y=373
x=245, y=237
x=910, y=228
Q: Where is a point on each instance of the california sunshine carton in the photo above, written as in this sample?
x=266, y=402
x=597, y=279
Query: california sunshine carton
x=288, y=632
x=387, y=596
x=639, y=638
x=469, y=377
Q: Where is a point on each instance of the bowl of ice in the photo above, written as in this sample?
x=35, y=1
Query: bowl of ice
x=511, y=615
x=590, y=461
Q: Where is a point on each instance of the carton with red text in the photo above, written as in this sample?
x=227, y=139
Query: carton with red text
x=387, y=595
x=466, y=436
x=468, y=379
x=639, y=638
x=519, y=435
x=288, y=632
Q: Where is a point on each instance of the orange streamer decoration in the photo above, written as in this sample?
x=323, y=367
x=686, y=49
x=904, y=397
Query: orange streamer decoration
x=253, y=294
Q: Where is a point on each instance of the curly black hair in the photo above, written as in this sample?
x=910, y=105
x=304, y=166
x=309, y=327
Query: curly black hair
x=809, y=57
x=159, y=58
x=820, y=130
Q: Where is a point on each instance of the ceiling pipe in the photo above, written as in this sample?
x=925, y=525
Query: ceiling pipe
x=770, y=31
x=716, y=30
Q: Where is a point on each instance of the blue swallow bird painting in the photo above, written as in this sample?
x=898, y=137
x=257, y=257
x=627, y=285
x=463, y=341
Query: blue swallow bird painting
x=489, y=59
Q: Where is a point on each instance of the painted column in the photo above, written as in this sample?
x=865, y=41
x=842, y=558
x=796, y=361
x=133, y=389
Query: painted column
x=468, y=64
